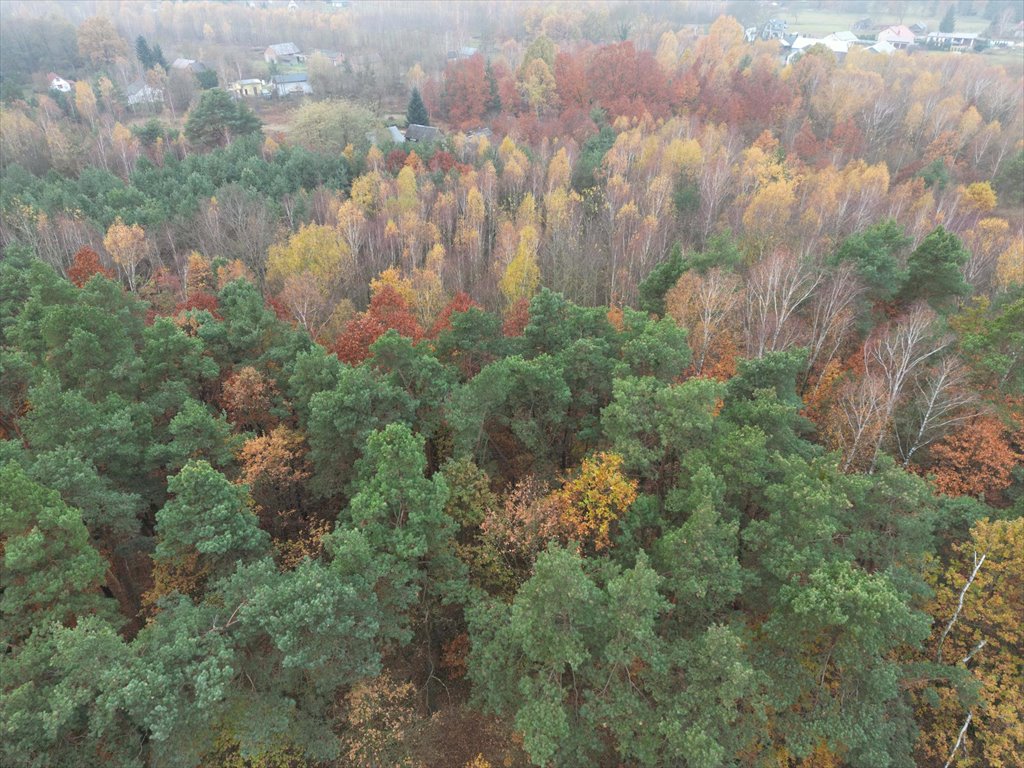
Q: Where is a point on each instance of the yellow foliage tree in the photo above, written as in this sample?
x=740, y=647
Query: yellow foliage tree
x=559, y=171
x=598, y=496
x=407, y=192
x=85, y=100
x=1010, y=267
x=315, y=248
x=522, y=276
x=392, y=278
x=979, y=197
x=986, y=636
x=128, y=248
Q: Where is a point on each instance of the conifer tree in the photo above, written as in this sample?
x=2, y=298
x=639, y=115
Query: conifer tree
x=416, y=113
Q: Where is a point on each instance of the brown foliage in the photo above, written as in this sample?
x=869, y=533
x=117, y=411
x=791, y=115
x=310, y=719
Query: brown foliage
x=248, y=396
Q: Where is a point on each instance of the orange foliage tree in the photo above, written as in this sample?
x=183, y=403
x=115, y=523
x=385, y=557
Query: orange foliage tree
x=86, y=264
x=388, y=310
x=976, y=460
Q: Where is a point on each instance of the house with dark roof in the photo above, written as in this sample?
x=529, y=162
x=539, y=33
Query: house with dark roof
x=422, y=133
x=283, y=53
x=335, y=57
x=189, y=65
x=288, y=85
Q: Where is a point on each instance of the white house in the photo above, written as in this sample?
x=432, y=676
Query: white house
x=955, y=41
x=882, y=47
x=795, y=49
x=58, y=83
x=140, y=92
x=899, y=36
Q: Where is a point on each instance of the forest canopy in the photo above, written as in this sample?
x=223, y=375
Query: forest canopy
x=662, y=406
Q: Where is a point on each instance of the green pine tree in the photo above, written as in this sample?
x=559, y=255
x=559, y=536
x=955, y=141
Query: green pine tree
x=416, y=113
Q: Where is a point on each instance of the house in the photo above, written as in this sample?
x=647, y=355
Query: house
x=882, y=47
x=189, y=65
x=953, y=41
x=58, y=83
x=843, y=37
x=335, y=57
x=396, y=135
x=422, y=133
x=794, y=49
x=286, y=85
x=249, y=88
x=282, y=53
x=774, y=29
x=465, y=52
x=919, y=29
x=899, y=36
x=140, y=92
x=863, y=25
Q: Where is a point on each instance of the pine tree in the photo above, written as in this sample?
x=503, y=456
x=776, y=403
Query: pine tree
x=158, y=56
x=416, y=113
x=948, y=23
x=494, y=99
x=143, y=53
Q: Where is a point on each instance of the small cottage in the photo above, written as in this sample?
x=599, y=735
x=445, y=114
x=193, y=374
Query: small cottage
x=422, y=133
x=288, y=85
x=283, y=53
x=189, y=65
x=249, y=88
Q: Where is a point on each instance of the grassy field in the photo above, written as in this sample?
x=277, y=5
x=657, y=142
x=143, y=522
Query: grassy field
x=1012, y=59
x=809, y=20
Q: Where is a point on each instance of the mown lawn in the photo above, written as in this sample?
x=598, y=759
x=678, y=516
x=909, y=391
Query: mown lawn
x=810, y=20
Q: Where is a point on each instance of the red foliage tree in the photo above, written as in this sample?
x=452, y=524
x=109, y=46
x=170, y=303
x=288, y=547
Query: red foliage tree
x=395, y=160
x=461, y=302
x=442, y=161
x=627, y=82
x=466, y=92
x=505, y=79
x=516, y=318
x=201, y=300
x=85, y=265
x=571, y=82
x=387, y=311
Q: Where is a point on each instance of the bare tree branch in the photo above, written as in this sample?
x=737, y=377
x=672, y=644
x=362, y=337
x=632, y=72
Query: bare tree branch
x=960, y=604
x=959, y=739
